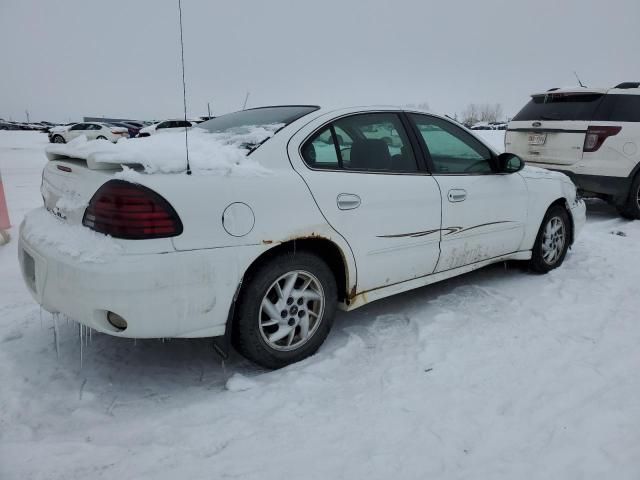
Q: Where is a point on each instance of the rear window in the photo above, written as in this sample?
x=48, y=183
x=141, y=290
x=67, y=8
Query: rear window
x=257, y=117
x=560, y=106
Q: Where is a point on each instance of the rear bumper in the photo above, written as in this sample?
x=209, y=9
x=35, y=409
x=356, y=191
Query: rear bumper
x=178, y=294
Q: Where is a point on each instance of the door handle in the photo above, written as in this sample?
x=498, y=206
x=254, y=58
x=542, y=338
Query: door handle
x=457, y=195
x=348, y=201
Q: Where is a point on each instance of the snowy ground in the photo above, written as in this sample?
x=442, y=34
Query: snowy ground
x=499, y=374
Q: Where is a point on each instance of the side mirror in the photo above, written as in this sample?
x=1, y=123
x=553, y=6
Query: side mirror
x=509, y=163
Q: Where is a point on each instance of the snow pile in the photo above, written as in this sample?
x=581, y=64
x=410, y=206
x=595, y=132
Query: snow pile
x=221, y=153
x=76, y=241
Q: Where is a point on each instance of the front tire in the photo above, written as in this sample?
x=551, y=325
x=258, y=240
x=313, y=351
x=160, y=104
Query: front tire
x=286, y=310
x=631, y=209
x=552, y=241
x=58, y=139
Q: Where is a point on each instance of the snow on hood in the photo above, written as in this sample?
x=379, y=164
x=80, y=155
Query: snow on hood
x=220, y=153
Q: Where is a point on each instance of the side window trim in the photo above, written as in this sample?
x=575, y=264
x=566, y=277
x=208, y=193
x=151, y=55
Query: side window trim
x=423, y=143
x=420, y=149
x=336, y=146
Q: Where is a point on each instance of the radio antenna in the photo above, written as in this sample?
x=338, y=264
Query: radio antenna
x=579, y=82
x=184, y=91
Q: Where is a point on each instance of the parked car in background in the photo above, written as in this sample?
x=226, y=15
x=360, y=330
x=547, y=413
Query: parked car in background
x=91, y=130
x=489, y=126
x=591, y=134
x=132, y=129
x=164, y=126
x=360, y=220
x=52, y=131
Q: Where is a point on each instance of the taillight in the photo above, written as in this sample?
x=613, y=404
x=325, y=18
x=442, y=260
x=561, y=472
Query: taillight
x=126, y=210
x=596, y=136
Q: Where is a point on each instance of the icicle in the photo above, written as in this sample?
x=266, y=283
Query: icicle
x=80, y=345
x=56, y=335
x=84, y=382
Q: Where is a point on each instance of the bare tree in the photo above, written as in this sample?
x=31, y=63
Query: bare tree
x=484, y=112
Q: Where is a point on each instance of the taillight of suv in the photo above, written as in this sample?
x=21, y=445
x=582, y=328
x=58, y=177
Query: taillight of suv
x=597, y=135
x=126, y=210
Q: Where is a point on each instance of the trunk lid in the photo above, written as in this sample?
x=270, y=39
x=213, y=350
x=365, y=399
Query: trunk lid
x=68, y=185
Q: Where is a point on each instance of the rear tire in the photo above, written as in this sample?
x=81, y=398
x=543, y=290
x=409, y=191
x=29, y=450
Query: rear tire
x=631, y=209
x=552, y=242
x=285, y=310
x=101, y=137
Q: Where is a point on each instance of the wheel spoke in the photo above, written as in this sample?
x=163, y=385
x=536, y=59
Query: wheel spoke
x=278, y=290
x=304, y=327
x=280, y=334
x=269, y=322
x=270, y=309
x=289, y=284
x=311, y=295
x=291, y=335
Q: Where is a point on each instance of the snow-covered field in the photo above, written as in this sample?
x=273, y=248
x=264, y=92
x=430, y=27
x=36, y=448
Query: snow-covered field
x=498, y=374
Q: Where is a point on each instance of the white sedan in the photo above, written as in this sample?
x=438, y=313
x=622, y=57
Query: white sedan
x=345, y=207
x=91, y=130
x=166, y=126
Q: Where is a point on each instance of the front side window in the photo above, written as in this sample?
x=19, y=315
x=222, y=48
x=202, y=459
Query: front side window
x=375, y=142
x=163, y=125
x=79, y=126
x=451, y=149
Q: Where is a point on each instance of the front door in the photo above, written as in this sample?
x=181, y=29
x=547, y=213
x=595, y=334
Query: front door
x=364, y=176
x=483, y=212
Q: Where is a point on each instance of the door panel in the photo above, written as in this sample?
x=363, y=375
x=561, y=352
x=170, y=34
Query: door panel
x=483, y=213
x=363, y=174
x=488, y=222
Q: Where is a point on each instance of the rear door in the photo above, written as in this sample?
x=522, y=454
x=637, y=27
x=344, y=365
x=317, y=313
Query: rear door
x=364, y=174
x=551, y=128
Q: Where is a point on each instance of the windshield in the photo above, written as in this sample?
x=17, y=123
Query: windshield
x=257, y=117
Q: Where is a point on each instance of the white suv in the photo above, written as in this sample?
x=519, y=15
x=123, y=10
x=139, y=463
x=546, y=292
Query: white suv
x=592, y=135
x=319, y=209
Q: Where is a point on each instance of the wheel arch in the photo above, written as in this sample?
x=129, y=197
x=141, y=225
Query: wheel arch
x=324, y=248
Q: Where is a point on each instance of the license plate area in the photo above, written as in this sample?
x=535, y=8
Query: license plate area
x=537, y=138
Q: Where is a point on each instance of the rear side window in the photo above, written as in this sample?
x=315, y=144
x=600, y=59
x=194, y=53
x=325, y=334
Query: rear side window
x=560, y=106
x=374, y=142
x=619, y=108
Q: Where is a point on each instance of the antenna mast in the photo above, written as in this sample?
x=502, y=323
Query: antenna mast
x=184, y=90
x=579, y=82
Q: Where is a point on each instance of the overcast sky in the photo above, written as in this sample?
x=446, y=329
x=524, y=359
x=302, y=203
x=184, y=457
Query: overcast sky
x=65, y=59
